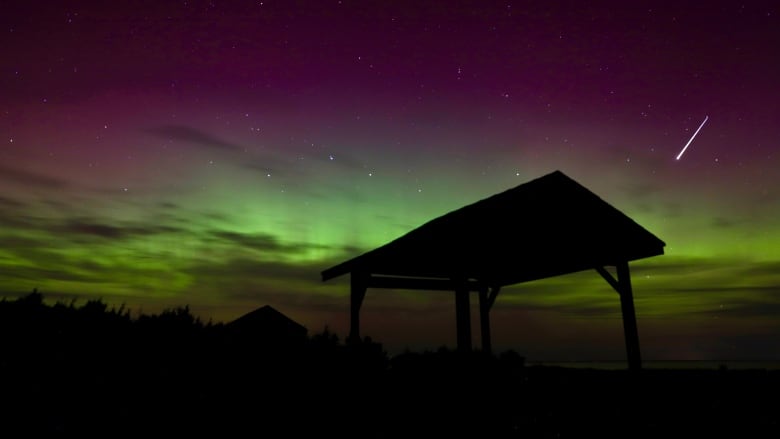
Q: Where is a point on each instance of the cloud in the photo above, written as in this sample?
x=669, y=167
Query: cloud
x=724, y=223
x=340, y=159
x=675, y=266
x=13, y=214
x=641, y=191
x=14, y=242
x=248, y=279
x=264, y=242
x=193, y=135
x=761, y=269
x=26, y=178
x=253, y=241
x=263, y=163
x=167, y=205
x=47, y=265
x=296, y=169
x=750, y=300
x=93, y=228
x=9, y=203
x=239, y=268
x=268, y=165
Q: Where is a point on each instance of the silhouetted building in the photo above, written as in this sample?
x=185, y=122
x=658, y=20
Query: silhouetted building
x=266, y=324
x=546, y=227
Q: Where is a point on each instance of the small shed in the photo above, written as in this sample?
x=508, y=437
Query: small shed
x=268, y=325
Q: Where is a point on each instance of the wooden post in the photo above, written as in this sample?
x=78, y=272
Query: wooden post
x=357, y=293
x=629, y=317
x=484, y=320
x=463, y=317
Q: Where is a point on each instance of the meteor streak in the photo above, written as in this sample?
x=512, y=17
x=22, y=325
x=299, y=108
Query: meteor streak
x=692, y=137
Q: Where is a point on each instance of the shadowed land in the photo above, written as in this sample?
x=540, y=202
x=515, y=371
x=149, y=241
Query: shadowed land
x=70, y=369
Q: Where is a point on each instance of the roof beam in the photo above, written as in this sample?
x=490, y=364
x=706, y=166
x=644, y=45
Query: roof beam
x=411, y=283
x=609, y=278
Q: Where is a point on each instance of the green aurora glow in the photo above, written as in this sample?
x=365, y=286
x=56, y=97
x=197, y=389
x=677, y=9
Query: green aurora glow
x=142, y=173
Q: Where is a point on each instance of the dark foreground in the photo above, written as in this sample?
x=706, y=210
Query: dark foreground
x=75, y=371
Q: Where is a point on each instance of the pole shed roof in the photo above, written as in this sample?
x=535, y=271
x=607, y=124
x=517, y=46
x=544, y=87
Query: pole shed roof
x=546, y=227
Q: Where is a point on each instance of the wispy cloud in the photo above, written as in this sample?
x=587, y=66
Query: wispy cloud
x=9, y=203
x=254, y=241
x=340, y=159
x=268, y=243
x=641, y=191
x=95, y=228
x=27, y=178
x=724, y=223
x=193, y=135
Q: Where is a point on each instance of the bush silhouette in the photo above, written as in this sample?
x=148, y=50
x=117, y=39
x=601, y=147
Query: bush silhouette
x=89, y=369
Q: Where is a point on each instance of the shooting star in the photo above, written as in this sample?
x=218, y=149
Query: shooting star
x=692, y=137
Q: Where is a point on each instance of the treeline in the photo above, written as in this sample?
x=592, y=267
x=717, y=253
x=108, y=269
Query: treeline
x=37, y=336
x=68, y=370
x=73, y=369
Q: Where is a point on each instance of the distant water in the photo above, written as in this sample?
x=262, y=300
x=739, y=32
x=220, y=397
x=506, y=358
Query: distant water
x=618, y=365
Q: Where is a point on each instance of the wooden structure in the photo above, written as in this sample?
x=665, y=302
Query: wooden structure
x=267, y=325
x=546, y=227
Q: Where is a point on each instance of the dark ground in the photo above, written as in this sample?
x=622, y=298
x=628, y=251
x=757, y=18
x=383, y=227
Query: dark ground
x=71, y=371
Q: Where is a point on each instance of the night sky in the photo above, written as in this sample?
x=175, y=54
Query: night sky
x=222, y=154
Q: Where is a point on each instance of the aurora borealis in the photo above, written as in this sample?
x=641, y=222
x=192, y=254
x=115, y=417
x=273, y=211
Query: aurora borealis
x=221, y=154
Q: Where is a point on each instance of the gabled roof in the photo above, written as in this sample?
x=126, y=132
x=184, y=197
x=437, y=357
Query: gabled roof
x=546, y=227
x=267, y=319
